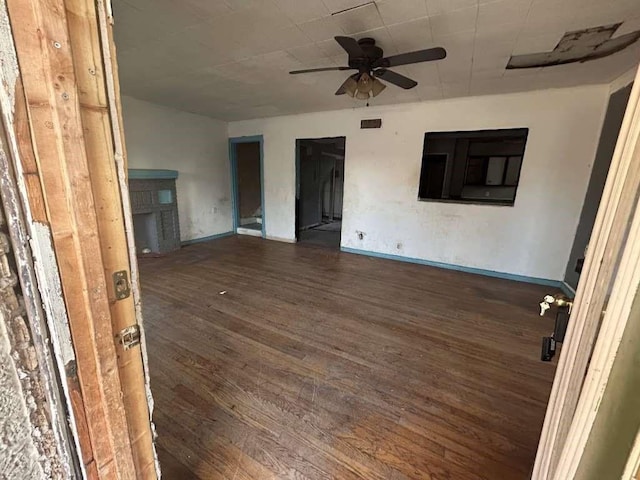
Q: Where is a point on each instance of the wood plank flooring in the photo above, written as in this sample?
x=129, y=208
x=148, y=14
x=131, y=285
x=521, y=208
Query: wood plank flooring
x=271, y=360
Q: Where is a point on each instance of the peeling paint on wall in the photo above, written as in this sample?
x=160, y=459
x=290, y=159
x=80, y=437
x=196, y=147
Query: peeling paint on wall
x=8, y=61
x=19, y=457
x=27, y=440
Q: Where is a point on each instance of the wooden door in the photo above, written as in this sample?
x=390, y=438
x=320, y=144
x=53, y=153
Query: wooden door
x=609, y=280
x=62, y=114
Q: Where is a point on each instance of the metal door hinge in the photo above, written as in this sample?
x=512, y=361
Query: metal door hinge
x=121, y=285
x=129, y=337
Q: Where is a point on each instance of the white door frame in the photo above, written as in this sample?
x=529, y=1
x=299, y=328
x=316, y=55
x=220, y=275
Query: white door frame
x=575, y=400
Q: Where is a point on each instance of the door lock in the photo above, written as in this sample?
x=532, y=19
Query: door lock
x=121, y=285
x=559, y=300
x=549, y=344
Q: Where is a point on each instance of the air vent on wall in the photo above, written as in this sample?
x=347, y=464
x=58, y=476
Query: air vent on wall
x=371, y=123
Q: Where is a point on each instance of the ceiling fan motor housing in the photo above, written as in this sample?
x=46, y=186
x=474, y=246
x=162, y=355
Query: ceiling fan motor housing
x=371, y=53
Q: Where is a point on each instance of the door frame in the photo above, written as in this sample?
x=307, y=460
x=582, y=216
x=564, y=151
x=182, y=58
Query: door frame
x=296, y=220
x=593, y=337
x=61, y=114
x=233, y=162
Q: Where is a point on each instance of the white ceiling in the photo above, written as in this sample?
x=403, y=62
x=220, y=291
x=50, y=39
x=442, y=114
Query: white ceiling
x=229, y=59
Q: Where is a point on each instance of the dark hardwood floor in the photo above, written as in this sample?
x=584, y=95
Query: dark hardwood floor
x=271, y=360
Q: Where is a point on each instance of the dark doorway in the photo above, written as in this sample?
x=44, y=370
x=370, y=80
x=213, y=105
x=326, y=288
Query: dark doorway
x=319, y=192
x=246, y=164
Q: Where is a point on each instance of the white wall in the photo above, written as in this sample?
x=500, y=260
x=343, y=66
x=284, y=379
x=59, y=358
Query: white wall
x=197, y=147
x=382, y=168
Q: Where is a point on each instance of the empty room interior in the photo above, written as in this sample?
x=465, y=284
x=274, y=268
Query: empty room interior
x=320, y=239
x=347, y=217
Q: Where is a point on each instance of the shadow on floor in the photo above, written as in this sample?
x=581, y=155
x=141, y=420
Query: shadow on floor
x=325, y=235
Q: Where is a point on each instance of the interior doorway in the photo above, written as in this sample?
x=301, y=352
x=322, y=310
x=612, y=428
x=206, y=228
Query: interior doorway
x=247, y=185
x=319, y=190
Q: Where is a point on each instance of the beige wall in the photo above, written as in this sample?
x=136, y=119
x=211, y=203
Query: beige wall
x=164, y=138
x=382, y=169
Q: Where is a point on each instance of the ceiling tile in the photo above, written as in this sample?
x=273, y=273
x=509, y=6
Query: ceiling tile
x=429, y=92
x=322, y=29
x=301, y=11
x=340, y=5
x=630, y=25
x=410, y=36
x=485, y=86
x=396, y=11
x=537, y=43
x=331, y=48
x=502, y=11
x=275, y=39
x=493, y=34
x=131, y=27
x=208, y=8
x=426, y=74
x=486, y=73
x=166, y=13
x=455, y=89
x=359, y=20
x=310, y=54
x=602, y=13
x=547, y=16
x=242, y=4
x=438, y=7
x=383, y=39
x=230, y=59
x=454, y=22
x=459, y=44
x=490, y=62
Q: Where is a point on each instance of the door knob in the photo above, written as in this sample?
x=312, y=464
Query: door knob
x=557, y=299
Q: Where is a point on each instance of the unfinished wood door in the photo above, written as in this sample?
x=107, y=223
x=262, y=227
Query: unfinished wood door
x=610, y=278
x=70, y=161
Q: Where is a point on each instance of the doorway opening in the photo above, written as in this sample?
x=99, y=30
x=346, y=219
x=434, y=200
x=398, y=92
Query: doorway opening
x=247, y=174
x=319, y=190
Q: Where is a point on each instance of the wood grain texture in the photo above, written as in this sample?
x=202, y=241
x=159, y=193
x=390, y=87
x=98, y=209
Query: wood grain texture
x=82, y=19
x=46, y=62
x=323, y=365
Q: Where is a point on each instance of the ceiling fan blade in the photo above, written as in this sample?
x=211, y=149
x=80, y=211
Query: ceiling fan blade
x=418, y=56
x=324, y=69
x=395, y=78
x=350, y=46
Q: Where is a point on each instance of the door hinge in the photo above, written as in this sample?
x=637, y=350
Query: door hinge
x=129, y=337
x=121, y=285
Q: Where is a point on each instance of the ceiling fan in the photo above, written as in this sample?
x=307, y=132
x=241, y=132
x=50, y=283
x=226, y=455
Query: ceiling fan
x=372, y=67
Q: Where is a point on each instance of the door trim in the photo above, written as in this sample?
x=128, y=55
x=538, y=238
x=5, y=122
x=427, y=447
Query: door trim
x=574, y=401
x=298, y=145
x=233, y=161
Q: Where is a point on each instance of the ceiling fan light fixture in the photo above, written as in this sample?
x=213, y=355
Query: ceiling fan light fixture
x=360, y=95
x=365, y=83
x=377, y=87
x=350, y=86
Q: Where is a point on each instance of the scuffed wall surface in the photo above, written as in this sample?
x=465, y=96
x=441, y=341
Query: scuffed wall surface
x=197, y=147
x=382, y=170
